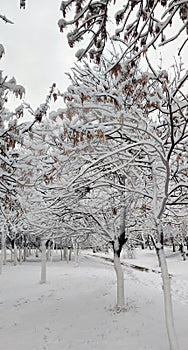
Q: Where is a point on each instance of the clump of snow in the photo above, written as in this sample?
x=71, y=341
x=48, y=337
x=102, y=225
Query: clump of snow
x=80, y=54
x=62, y=24
x=53, y=115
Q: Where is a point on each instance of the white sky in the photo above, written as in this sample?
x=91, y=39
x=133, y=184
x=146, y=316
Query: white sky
x=36, y=53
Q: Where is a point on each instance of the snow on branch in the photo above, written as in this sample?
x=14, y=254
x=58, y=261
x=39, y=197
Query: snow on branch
x=137, y=26
x=5, y=19
x=2, y=51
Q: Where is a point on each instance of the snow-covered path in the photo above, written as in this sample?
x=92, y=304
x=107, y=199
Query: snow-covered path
x=74, y=310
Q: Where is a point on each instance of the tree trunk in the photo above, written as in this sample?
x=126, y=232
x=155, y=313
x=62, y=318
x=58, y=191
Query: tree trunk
x=76, y=253
x=124, y=253
x=120, y=304
x=37, y=252
x=15, y=255
x=2, y=250
x=118, y=244
x=173, y=343
x=183, y=248
x=29, y=252
x=48, y=254
x=66, y=254
x=5, y=256
x=143, y=243
x=1, y=260
x=169, y=317
x=52, y=251
x=25, y=253
x=20, y=255
x=43, y=263
x=70, y=254
x=61, y=251
x=11, y=254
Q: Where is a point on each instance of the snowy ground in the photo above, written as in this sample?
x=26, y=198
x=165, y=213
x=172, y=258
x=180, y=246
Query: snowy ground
x=74, y=309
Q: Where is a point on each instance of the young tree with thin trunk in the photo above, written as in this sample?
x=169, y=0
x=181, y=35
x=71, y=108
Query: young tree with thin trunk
x=148, y=131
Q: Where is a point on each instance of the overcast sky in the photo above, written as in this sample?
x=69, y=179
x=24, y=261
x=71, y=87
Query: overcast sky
x=36, y=53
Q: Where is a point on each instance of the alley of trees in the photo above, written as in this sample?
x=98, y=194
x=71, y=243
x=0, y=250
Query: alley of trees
x=109, y=168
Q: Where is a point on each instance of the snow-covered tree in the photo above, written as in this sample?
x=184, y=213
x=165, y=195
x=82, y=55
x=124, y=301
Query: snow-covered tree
x=144, y=116
x=136, y=25
x=13, y=159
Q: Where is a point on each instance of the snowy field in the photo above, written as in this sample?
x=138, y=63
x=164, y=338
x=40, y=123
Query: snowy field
x=75, y=308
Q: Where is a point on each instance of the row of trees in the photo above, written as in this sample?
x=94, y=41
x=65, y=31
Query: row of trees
x=111, y=166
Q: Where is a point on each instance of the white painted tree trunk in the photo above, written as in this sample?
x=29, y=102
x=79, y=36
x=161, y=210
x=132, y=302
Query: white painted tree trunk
x=25, y=253
x=43, y=263
x=173, y=343
x=48, y=254
x=5, y=256
x=124, y=253
x=29, y=252
x=158, y=210
x=15, y=255
x=2, y=250
x=1, y=261
x=169, y=317
x=120, y=283
x=66, y=254
x=37, y=253
x=11, y=254
x=76, y=254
